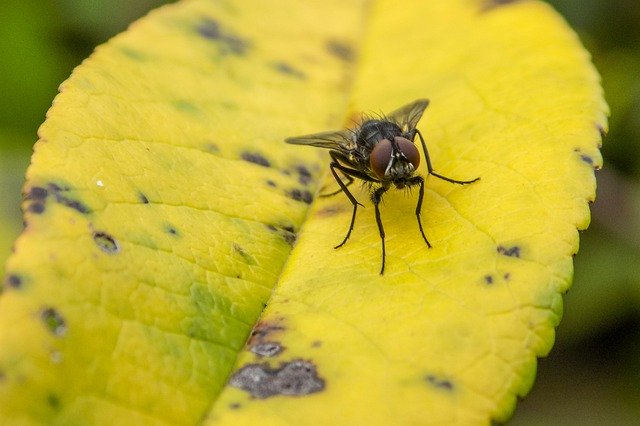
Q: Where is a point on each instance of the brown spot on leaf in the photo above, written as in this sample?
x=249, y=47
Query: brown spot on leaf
x=265, y=330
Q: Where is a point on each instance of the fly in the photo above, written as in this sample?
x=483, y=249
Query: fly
x=380, y=152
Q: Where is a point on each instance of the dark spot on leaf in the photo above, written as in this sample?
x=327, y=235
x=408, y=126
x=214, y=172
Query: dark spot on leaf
x=491, y=4
x=38, y=196
x=264, y=330
x=235, y=405
x=304, y=175
x=36, y=208
x=271, y=183
x=171, y=230
x=143, y=198
x=601, y=130
x=53, y=321
x=330, y=211
x=513, y=251
x=287, y=232
x=440, y=383
x=58, y=193
x=74, y=204
x=488, y=279
x=267, y=349
x=287, y=69
x=13, y=280
x=57, y=188
x=53, y=401
x=255, y=158
x=248, y=259
x=295, y=378
x=300, y=195
x=229, y=42
x=586, y=159
x=290, y=238
x=106, y=242
x=341, y=50
x=506, y=276
x=37, y=193
x=316, y=344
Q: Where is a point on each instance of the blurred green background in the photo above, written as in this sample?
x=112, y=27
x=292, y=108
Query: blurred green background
x=592, y=376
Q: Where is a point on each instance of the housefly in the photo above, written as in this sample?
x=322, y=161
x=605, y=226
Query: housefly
x=380, y=152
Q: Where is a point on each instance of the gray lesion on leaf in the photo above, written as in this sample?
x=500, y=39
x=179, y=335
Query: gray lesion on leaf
x=294, y=378
x=267, y=349
x=262, y=343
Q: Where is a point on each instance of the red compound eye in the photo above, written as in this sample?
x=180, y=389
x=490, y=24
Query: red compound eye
x=409, y=150
x=380, y=157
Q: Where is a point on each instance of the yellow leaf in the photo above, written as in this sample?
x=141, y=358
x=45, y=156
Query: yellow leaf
x=162, y=203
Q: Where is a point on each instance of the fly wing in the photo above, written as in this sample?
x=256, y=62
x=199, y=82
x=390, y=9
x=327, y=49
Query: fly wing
x=407, y=117
x=340, y=140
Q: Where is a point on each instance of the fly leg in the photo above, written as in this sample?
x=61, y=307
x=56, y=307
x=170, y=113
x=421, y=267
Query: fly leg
x=430, y=167
x=333, y=166
x=350, y=174
x=349, y=182
x=419, y=180
x=376, y=197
